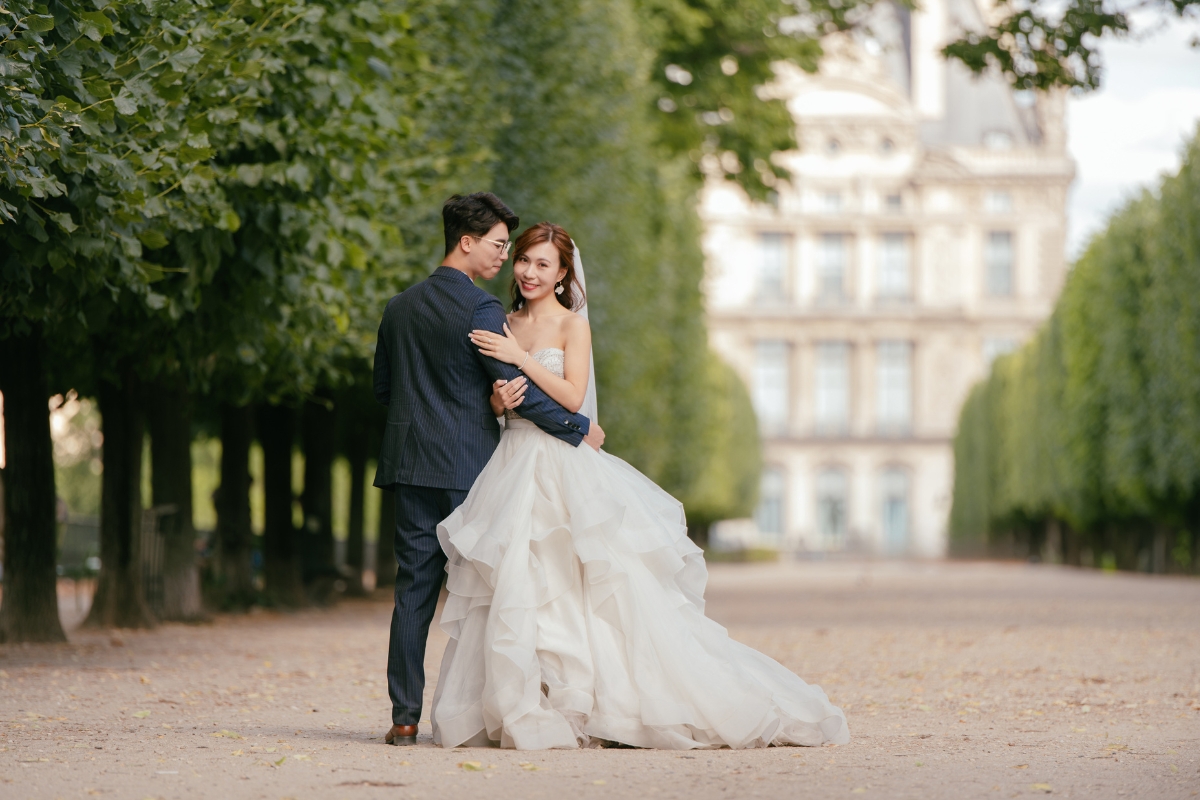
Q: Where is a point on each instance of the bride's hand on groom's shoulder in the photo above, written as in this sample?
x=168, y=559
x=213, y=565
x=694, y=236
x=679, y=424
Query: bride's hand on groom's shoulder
x=507, y=394
x=502, y=348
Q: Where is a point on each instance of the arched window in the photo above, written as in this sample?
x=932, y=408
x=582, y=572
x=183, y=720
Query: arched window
x=894, y=509
x=833, y=489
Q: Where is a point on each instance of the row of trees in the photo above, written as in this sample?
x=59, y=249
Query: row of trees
x=204, y=208
x=1087, y=440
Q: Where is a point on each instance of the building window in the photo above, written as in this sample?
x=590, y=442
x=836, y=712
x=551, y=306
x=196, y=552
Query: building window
x=832, y=507
x=772, y=266
x=769, y=514
x=893, y=380
x=998, y=260
x=833, y=387
x=832, y=258
x=894, y=203
x=894, y=269
x=998, y=202
x=993, y=348
x=771, y=385
x=894, y=513
x=831, y=202
x=997, y=140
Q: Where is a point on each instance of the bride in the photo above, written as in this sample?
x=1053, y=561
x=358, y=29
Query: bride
x=576, y=600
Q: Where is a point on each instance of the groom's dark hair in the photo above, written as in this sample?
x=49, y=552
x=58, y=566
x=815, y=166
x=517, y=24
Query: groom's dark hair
x=474, y=215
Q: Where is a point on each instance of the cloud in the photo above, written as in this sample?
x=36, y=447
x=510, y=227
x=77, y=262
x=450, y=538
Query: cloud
x=1132, y=130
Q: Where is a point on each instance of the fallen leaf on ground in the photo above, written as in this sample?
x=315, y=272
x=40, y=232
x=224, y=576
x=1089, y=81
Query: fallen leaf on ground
x=226, y=734
x=302, y=758
x=141, y=714
x=597, y=783
x=1020, y=766
x=1041, y=787
x=279, y=763
x=238, y=753
x=525, y=765
x=471, y=766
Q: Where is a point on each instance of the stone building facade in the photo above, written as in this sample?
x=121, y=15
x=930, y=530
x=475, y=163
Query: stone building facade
x=921, y=234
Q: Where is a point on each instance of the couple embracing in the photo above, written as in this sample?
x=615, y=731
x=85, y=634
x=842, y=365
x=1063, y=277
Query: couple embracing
x=575, y=604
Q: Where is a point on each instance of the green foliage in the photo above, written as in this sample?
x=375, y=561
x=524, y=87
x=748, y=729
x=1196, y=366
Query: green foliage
x=1044, y=45
x=111, y=119
x=1096, y=421
x=582, y=147
x=233, y=191
x=711, y=57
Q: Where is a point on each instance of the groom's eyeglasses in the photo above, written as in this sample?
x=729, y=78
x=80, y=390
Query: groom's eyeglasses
x=504, y=246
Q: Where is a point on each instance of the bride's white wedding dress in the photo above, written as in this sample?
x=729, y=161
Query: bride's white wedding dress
x=576, y=612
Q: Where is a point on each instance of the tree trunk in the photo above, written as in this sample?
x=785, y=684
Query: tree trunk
x=1052, y=544
x=1159, y=549
x=234, y=536
x=699, y=534
x=356, y=454
x=1072, y=546
x=120, y=600
x=169, y=414
x=385, y=546
x=318, y=436
x=281, y=558
x=29, y=611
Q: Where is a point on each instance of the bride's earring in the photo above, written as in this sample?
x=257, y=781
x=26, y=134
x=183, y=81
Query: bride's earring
x=558, y=289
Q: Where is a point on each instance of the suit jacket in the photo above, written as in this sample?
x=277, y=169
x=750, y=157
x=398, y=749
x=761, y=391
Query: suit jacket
x=436, y=384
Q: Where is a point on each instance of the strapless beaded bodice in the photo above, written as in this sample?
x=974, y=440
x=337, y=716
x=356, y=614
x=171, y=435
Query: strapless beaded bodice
x=552, y=359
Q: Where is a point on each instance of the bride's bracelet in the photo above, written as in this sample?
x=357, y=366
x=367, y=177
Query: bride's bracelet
x=524, y=360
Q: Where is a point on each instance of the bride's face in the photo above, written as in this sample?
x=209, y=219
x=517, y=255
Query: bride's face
x=537, y=271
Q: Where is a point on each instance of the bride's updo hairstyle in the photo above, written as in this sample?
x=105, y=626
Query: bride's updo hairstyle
x=572, y=295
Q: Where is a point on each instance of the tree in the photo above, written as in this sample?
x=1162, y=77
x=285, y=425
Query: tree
x=1043, y=45
x=169, y=414
x=1093, y=423
x=29, y=610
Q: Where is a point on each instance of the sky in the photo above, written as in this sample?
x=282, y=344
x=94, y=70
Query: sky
x=1132, y=130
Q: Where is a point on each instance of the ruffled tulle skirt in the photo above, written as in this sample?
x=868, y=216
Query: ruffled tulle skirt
x=576, y=613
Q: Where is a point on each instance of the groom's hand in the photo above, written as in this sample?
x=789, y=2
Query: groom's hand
x=595, y=437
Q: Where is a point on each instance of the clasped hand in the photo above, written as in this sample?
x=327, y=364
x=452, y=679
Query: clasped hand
x=504, y=348
x=507, y=394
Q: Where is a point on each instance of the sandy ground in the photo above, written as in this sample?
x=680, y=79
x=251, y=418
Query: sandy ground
x=959, y=680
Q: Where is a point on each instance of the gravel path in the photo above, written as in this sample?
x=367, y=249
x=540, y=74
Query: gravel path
x=959, y=680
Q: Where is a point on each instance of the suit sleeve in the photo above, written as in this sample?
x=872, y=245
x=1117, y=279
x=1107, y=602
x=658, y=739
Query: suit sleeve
x=538, y=408
x=382, y=377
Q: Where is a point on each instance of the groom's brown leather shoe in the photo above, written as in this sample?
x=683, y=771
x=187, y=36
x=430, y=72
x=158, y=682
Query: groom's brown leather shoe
x=401, y=735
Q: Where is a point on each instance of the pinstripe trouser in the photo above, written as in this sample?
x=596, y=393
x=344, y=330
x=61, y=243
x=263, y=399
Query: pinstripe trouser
x=421, y=566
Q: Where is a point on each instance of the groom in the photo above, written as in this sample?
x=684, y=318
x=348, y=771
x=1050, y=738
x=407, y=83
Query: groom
x=441, y=429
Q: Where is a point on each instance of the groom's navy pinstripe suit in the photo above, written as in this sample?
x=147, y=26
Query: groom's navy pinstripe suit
x=440, y=434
